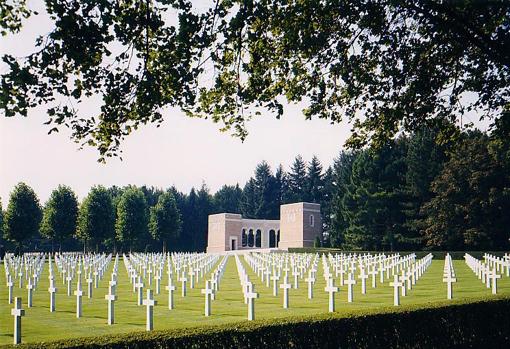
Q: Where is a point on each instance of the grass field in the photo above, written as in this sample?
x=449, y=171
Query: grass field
x=41, y=325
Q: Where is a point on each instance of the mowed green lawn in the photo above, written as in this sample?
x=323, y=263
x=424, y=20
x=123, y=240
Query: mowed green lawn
x=41, y=325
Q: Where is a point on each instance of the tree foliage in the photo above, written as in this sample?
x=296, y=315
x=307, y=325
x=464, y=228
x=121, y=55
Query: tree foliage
x=386, y=66
x=165, y=220
x=96, y=219
x=472, y=197
x=228, y=199
x=23, y=215
x=131, y=226
x=59, y=215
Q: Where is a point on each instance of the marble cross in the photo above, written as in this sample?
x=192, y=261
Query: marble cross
x=331, y=289
x=286, y=286
x=251, y=295
x=111, y=298
x=396, y=289
x=208, y=291
x=52, y=290
x=149, y=302
x=17, y=312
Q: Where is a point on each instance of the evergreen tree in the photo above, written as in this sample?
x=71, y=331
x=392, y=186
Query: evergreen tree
x=165, y=221
x=471, y=200
x=204, y=207
x=228, y=199
x=297, y=180
x=23, y=216
x=341, y=178
x=266, y=193
x=282, y=186
x=328, y=192
x=372, y=203
x=249, y=200
x=132, y=219
x=60, y=215
x=190, y=223
x=181, y=200
x=96, y=219
x=314, y=188
x=424, y=161
x=151, y=195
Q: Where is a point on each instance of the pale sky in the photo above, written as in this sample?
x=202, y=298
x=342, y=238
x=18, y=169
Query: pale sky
x=183, y=152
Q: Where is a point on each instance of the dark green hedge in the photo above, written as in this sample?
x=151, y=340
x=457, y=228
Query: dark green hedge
x=479, y=324
x=419, y=254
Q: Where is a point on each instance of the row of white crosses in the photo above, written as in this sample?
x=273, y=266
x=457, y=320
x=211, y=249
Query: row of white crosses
x=416, y=270
x=111, y=297
x=405, y=271
x=449, y=276
x=14, y=266
x=487, y=274
x=33, y=265
x=142, y=267
x=24, y=268
x=248, y=288
x=71, y=267
x=500, y=264
x=272, y=267
x=212, y=286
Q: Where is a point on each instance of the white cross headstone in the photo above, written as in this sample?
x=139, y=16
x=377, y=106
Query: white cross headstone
x=275, y=278
x=17, y=312
x=139, y=286
x=30, y=288
x=404, y=280
x=183, y=285
x=494, y=279
x=331, y=289
x=208, y=291
x=396, y=289
x=111, y=298
x=96, y=279
x=374, y=276
x=310, y=280
x=52, y=290
x=295, y=273
x=79, y=294
x=363, y=276
x=350, y=287
x=89, y=286
x=449, y=279
x=158, y=283
x=251, y=295
x=191, y=275
x=10, y=286
x=286, y=286
x=149, y=302
x=69, y=279
x=170, y=288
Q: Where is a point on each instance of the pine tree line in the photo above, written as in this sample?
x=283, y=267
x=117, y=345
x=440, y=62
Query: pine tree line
x=410, y=194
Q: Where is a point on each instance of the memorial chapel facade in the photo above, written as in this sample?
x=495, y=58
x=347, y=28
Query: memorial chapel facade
x=300, y=223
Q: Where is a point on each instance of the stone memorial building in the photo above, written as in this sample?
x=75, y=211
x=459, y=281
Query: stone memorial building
x=300, y=223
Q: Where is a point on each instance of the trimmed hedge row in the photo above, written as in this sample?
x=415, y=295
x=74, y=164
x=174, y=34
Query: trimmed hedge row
x=419, y=254
x=481, y=323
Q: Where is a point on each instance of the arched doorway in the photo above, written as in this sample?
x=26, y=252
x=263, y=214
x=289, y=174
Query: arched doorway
x=251, y=238
x=272, y=238
x=244, y=238
x=258, y=237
